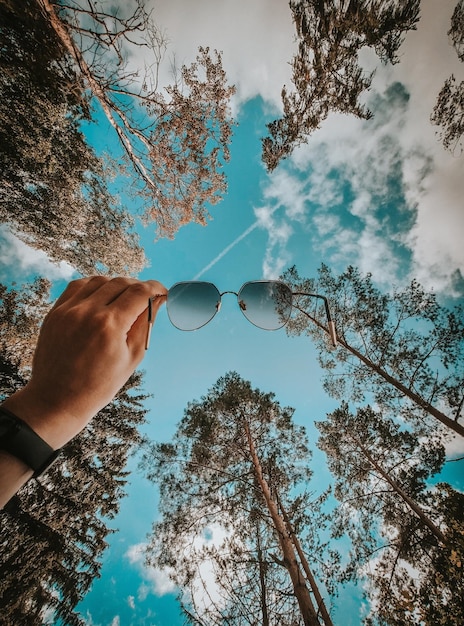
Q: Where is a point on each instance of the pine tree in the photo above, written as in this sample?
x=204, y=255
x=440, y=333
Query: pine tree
x=175, y=140
x=53, y=189
x=430, y=589
x=326, y=72
x=405, y=339
x=21, y=313
x=407, y=537
x=54, y=531
x=233, y=467
x=449, y=109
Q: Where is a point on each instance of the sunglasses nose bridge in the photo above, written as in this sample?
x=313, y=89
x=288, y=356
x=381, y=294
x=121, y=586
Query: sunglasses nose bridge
x=234, y=293
x=224, y=293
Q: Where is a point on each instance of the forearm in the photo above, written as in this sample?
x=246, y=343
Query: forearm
x=14, y=471
x=89, y=344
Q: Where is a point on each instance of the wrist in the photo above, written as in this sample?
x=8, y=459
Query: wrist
x=20, y=441
x=47, y=422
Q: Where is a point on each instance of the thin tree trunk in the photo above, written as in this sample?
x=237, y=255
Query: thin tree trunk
x=403, y=495
x=300, y=589
x=262, y=582
x=312, y=581
x=63, y=34
x=423, y=404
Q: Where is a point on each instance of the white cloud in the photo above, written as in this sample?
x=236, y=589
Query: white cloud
x=400, y=140
x=436, y=238
x=205, y=591
x=279, y=231
x=89, y=620
x=432, y=178
x=203, y=587
x=116, y=621
x=454, y=447
x=256, y=39
x=21, y=260
x=398, y=143
x=131, y=602
x=157, y=581
x=288, y=191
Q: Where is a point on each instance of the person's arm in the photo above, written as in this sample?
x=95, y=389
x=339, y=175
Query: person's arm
x=89, y=344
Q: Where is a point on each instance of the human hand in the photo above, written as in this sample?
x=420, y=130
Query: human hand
x=89, y=344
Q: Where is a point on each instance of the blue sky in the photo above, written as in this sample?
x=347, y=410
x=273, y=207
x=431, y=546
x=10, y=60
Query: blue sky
x=382, y=195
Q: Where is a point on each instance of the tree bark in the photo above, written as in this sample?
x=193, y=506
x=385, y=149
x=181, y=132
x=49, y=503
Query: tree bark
x=262, y=583
x=309, y=575
x=301, y=592
x=423, y=404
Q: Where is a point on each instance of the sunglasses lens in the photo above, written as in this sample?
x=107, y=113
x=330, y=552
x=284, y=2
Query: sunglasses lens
x=191, y=305
x=266, y=304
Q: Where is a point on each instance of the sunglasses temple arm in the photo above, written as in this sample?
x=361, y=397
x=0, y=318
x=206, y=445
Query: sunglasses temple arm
x=150, y=323
x=330, y=322
x=150, y=319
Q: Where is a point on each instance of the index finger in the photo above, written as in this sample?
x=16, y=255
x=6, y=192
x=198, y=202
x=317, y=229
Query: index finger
x=133, y=301
x=76, y=287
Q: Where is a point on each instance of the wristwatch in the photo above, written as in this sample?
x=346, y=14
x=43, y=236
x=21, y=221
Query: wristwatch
x=18, y=439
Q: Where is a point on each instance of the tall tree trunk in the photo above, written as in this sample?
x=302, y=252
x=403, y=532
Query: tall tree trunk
x=262, y=582
x=403, y=495
x=309, y=575
x=66, y=39
x=300, y=589
x=423, y=404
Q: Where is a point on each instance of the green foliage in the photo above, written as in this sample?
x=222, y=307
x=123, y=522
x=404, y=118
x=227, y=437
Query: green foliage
x=448, y=112
x=429, y=591
x=54, y=530
x=53, y=188
x=405, y=338
x=327, y=76
x=212, y=484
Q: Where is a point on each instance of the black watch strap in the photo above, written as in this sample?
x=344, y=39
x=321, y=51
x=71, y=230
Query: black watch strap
x=18, y=439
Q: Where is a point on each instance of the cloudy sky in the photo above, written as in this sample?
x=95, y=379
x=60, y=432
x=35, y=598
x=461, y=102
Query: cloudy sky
x=380, y=194
x=257, y=40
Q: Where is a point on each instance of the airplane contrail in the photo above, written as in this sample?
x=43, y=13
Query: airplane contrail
x=226, y=250
x=234, y=243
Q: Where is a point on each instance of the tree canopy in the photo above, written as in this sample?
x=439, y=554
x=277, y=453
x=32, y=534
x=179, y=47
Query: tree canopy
x=175, y=138
x=327, y=76
x=448, y=112
x=61, y=65
x=54, y=530
x=405, y=338
x=237, y=467
x=406, y=534
x=53, y=189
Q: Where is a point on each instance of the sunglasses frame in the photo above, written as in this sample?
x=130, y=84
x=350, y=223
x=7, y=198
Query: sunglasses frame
x=241, y=303
x=331, y=324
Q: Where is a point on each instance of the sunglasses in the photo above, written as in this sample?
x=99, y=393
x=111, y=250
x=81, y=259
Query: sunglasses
x=267, y=304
